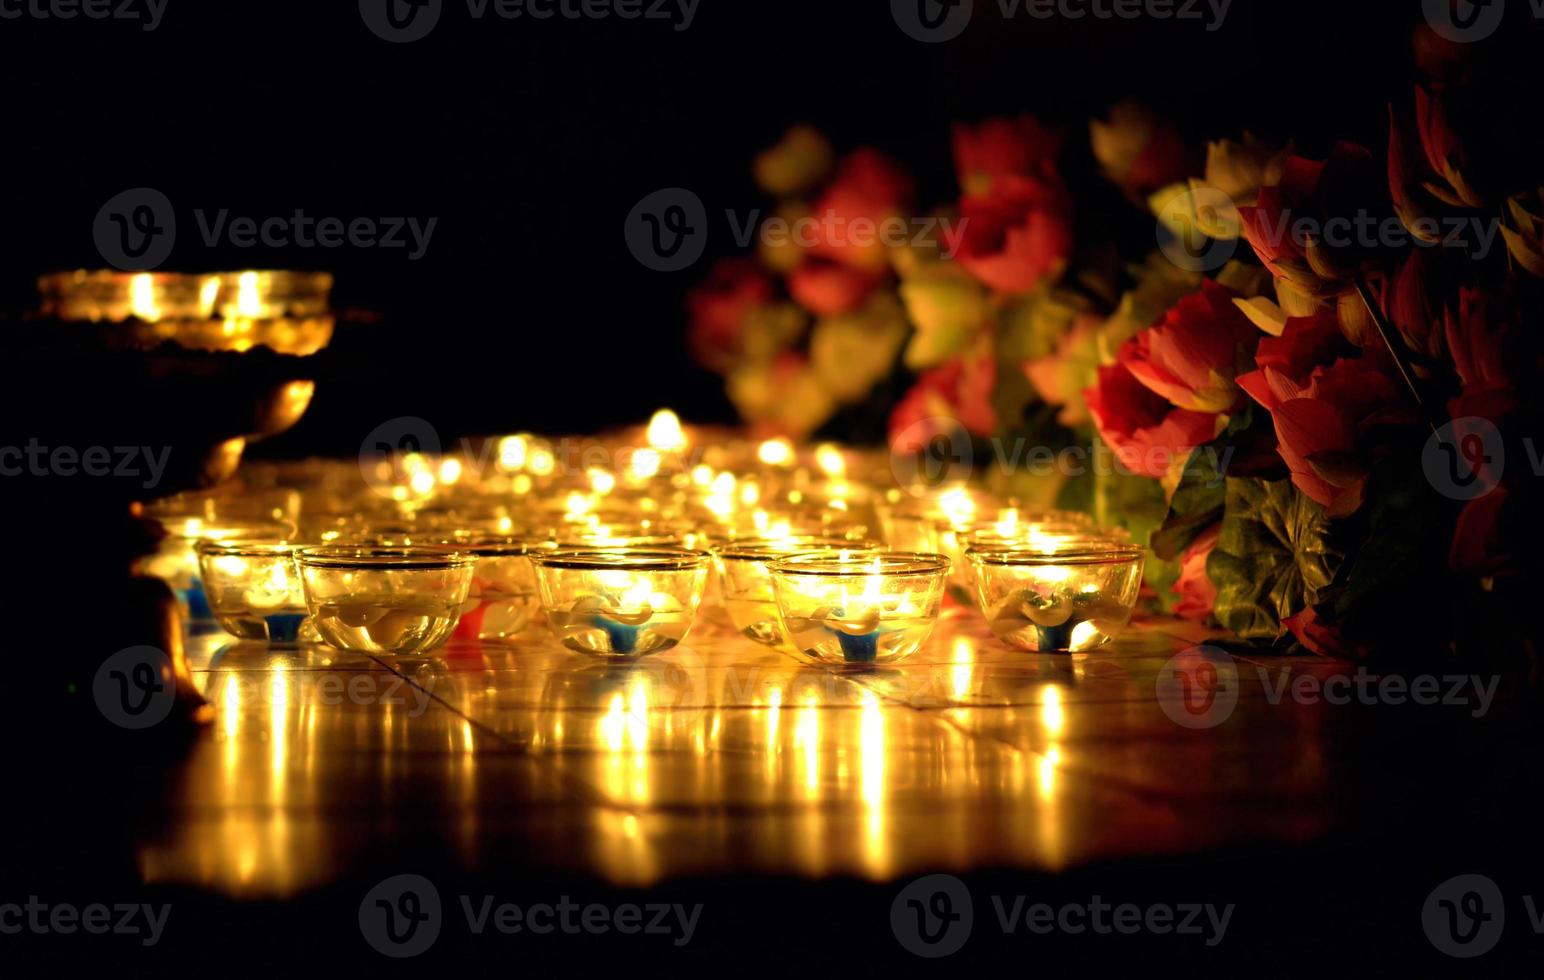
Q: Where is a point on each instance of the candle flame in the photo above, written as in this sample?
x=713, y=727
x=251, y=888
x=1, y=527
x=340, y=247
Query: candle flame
x=830, y=460
x=665, y=432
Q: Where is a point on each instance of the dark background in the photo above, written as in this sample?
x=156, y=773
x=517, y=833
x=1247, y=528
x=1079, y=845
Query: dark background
x=531, y=142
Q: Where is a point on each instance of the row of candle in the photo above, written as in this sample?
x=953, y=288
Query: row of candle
x=813, y=550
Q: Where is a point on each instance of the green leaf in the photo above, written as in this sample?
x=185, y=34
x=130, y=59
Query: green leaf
x=1197, y=505
x=1274, y=557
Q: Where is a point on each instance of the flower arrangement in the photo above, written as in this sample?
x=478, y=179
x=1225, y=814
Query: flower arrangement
x=1315, y=390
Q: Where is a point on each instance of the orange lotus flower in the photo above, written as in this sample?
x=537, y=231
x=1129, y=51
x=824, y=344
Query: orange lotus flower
x=1016, y=237
x=1191, y=356
x=996, y=148
x=1148, y=435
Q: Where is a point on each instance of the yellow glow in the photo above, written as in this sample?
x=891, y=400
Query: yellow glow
x=422, y=482
x=776, y=452
x=541, y=461
x=1048, y=764
x=578, y=504
x=415, y=463
x=750, y=493
x=1084, y=633
x=645, y=463
x=249, y=301
x=1052, y=716
x=830, y=460
x=208, y=295
x=522, y=484
x=665, y=432
x=513, y=451
x=957, y=505
x=601, y=481
x=702, y=475
x=964, y=657
x=142, y=298
x=450, y=471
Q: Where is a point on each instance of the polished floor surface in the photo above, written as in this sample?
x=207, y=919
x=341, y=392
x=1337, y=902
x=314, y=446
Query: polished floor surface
x=724, y=756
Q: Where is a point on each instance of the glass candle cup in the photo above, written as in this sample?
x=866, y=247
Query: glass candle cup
x=392, y=601
x=859, y=609
x=503, y=601
x=253, y=589
x=621, y=603
x=746, y=579
x=1068, y=599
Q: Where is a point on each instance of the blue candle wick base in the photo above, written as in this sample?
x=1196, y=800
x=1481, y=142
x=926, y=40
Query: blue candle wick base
x=619, y=636
x=284, y=627
x=859, y=649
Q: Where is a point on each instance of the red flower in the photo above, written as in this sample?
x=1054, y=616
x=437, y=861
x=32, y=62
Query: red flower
x=1268, y=225
x=1003, y=147
x=957, y=393
x=1191, y=356
x=1016, y=237
x=1138, y=149
x=1305, y=343
x=1148, y=436
x=1483, y=356
x=1197, y=594
x=717, y=310
x=827, y=289
x=1320, y=426
x=867, y=189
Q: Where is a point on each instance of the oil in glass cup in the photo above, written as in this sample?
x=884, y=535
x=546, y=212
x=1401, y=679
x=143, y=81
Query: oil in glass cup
x=1069, y=599
x=385, y=601
x=621, y=603
x=746, y=579
x=503, y=601
x=859, y=610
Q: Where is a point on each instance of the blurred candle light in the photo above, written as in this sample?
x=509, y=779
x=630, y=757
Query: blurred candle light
x=665, y=433
x=830, y=460
x=776, y=452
